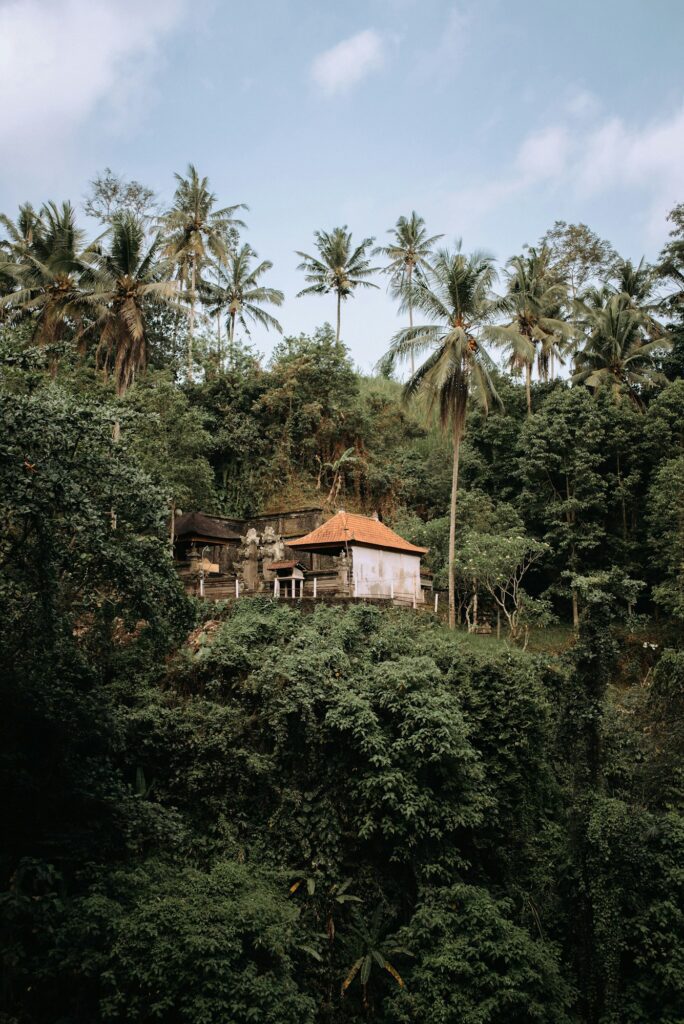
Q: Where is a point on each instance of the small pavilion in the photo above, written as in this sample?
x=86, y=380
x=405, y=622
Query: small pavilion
x=289, y=578
x=370, y=559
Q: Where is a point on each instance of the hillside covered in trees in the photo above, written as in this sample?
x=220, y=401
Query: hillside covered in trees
x=253, y=812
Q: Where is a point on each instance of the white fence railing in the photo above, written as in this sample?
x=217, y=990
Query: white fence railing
x=372, y=588
x=296, y=589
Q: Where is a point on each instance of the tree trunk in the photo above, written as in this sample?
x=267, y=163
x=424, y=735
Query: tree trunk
x=218, y=336
x=575, y=611
x=232, y=337
x=528, y=387
x=339, y=311
x=193, y=284
x=622, y=498
x=410, y=311
x=458, y=431
x=172, y=528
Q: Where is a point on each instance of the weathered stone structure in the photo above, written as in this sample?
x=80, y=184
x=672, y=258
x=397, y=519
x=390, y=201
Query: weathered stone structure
x=218, y=551
x=298, y=555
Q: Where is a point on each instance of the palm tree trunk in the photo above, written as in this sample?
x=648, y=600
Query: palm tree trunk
x=193, y=283
x=337, y=336
x=528, y=387
x=410, y=311
x=232, y=336
x=458, y=431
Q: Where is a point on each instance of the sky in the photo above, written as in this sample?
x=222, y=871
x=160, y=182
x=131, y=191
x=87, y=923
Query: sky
x=490, y=119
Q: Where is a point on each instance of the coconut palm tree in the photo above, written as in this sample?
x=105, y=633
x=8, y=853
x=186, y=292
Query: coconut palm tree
x=408, y=254
x=670, y=267
x=636, y=285
x=638, y=282
x=237, y=291
x=456, y=294
x=48, y=262
x=129, y=279
x=20, y=233
x=534, y=298
x=13, y=247
x=194, y=229
x=339, y=267
x=620, y=347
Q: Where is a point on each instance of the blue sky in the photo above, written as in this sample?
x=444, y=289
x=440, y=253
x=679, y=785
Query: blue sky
x=490, y=119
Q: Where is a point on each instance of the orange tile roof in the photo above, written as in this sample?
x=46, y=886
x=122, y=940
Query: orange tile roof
x=345, y=527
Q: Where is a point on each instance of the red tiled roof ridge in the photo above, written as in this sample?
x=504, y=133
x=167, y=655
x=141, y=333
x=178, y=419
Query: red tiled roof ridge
x=350, y=527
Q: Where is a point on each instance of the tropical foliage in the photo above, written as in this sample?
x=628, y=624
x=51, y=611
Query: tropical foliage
x=261, y=812
x=130, y=279
x=408, y=256
x=340, y=267
x=238, y=293
x=456, y=293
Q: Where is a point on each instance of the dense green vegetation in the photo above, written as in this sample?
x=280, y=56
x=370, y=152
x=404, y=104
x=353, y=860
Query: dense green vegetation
x=258, y=813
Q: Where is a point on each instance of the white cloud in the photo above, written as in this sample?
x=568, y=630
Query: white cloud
x=582, y=103
x=543, y=154
x=444, y=59
x=61, y=59
x=617, y=154
x=589, y=160
x=346, y=64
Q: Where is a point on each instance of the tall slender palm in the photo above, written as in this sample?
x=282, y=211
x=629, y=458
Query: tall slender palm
x=130, y=278
x=195, y=229
x=534, y=299
x=47, y=260
x=238, y=292
x=408, y=254
x=339, y=267
x=619, y=352
x=455, y=293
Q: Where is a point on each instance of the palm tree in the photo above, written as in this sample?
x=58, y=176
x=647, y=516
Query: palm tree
x=19, y=237
x=638, y=282
x=47, y=260
x=670, y=267
x=408, y=254
x=534, y=298
x=636, y=285
x=20, y=232
x=194, y=228
x=237, y=290
x=130, y=278
x=338, y=268
x=456, y=292
x=620, y=347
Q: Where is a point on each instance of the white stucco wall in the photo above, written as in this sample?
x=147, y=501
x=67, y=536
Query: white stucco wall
x=375, y=569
